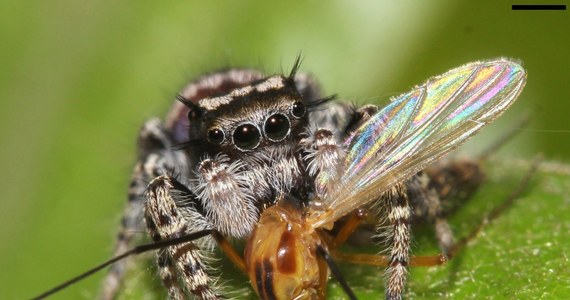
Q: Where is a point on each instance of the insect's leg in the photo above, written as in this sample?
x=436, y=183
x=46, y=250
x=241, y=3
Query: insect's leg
x=230, y=251
x=384, y=260
x=323, y=278
x=182, y=263
x=324, y=259
x=356, y=218
x=398, y=236
x=155, y=158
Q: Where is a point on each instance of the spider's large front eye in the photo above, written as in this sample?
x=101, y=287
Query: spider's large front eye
x=277, y=127
x=247, y=136
x=215, y=136
x=298, y=109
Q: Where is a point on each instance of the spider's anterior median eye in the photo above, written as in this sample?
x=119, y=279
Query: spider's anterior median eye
x=277, y=127
x=298, y=109
x=246, y=136
x=216, y=136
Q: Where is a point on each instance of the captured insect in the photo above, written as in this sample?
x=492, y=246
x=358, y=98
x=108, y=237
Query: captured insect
x=268, y=160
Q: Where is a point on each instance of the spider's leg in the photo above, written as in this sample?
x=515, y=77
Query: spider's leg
x=155, y=158
x=398, y=238
x=171, y=210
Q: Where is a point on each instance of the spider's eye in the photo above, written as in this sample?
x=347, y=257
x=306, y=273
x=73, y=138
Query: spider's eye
x=194, y=114
x=215, y=136
x=277, y=127
x=298, y=109
x=246, y=137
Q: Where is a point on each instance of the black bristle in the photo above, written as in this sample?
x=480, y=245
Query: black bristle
x=296, y=66
x=315, y=104
x=185, y=101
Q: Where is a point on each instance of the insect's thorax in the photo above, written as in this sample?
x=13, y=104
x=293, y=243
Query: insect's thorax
x=281, y=257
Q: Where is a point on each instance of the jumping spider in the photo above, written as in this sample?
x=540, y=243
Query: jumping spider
x=235, y=141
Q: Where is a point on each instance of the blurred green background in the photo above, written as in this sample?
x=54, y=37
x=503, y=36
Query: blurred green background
x=79, y=77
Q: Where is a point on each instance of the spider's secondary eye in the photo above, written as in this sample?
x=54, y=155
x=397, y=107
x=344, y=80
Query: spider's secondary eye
x=298, y=110
x=277, y=127
x=216, y=136
x=194, y=114
x=246, y=137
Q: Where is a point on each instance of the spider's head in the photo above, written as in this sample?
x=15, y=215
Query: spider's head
x=265, y=116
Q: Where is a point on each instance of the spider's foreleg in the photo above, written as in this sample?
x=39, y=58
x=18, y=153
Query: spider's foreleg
x=171, y=211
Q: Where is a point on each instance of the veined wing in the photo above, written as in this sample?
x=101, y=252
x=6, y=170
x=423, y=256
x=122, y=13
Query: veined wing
x=419, y=127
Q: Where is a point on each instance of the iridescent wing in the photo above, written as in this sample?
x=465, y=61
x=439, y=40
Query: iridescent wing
x=419, y=127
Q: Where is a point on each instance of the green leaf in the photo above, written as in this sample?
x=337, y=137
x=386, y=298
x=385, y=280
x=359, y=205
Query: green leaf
x=522, y=254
